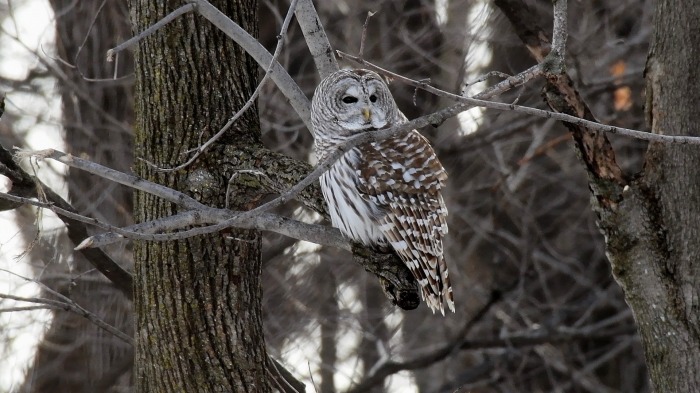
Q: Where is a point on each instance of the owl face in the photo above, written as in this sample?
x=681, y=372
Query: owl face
x=352, y=101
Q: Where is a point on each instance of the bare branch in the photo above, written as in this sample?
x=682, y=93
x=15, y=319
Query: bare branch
x=23, y=185
x=316, y=38
x=560, y=30
x=58, y=210
x=510, y=82
x=149, y=231
x=67, y=304
x=500, y=88
x=519, y=340
x=364, y=34
x=319, y=234
x=132, y=181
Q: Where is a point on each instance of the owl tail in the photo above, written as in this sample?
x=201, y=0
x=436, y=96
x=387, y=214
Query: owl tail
x=437, y=291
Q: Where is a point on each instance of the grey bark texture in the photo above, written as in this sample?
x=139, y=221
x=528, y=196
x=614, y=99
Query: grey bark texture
x=653, y=235
x=198, y=301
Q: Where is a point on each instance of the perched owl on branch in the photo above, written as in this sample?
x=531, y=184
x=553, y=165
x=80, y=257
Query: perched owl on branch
x=385, y=193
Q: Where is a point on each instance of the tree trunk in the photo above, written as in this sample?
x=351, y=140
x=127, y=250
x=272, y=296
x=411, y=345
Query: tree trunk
x=75, y=355
x=198, y=301
x=652, y=237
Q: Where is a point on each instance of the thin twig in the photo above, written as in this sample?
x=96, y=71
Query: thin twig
x=560, y=29
x=92, y=24
x=485, y=77
x=311, y=375
x=364, y=34
x=283, y=375
x=60, y=211
x=67, y=304
x=29, y=308
x=526, y=75
x=500, y=88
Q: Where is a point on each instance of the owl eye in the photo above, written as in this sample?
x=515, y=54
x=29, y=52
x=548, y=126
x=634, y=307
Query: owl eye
x=349, y=99
x=373, y=98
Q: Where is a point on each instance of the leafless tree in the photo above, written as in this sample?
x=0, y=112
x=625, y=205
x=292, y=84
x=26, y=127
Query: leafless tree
x=539, y=306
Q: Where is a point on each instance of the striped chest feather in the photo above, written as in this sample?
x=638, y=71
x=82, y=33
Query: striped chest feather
x=356, y=217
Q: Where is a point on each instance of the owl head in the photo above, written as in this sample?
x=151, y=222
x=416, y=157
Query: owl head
x=348, y=102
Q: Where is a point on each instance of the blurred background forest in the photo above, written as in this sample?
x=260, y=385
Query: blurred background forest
x=537, y=307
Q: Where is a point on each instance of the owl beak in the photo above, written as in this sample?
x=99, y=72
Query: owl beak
x=367, y=114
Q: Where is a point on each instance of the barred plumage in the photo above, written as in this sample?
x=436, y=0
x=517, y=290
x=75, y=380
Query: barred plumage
x=383, y=193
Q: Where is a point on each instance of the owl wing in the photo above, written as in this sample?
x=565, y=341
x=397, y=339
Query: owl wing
x=404, y=178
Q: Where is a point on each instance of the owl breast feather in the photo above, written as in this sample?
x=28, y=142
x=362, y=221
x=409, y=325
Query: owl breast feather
x=356, y=217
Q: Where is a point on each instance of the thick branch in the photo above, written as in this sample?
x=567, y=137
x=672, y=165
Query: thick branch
x=316, y=38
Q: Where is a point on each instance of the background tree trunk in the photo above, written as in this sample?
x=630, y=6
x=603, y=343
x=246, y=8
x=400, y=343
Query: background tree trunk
x=75, y=355
x=653, y=235
x=198, y=301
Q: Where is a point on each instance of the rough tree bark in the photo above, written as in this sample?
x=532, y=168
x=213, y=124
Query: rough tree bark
x=198, y=301
x=653, y=235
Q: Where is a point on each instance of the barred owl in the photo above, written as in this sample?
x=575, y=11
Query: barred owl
x=385, y=193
